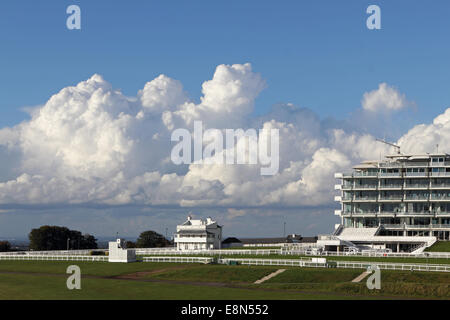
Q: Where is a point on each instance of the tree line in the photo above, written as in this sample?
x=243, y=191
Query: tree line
x=149, y=239
x=5, y=246
x=61, y=238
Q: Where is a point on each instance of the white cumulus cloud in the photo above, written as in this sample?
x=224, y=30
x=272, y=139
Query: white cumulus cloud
x=384, y=99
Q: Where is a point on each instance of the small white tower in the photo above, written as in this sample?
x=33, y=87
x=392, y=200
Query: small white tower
x=119, y=253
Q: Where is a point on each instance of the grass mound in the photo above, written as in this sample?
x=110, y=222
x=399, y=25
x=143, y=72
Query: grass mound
x=440, y=246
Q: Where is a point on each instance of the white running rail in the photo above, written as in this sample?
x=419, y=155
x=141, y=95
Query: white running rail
x=394, y=266
x=53, y=252
x=302, y=262
x=208, y=252
x=257, y=252
x=178, y=259
x=47, y=257
x=343, y=264
x=431, y=255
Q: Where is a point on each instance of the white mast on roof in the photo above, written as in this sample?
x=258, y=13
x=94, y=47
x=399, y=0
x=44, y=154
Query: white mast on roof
x=390, y=144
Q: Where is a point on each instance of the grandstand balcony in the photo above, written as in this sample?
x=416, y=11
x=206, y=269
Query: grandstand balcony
x=417, y=186
x=391, y=187
x=365, y=187
x=416, y=174
x=391, y=198
x=416, y=226
x=440, y=186
x=391, y=175
x=365, y=174
x=365, y=199
x=417, y=197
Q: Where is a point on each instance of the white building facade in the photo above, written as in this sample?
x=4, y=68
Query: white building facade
x=198, y=234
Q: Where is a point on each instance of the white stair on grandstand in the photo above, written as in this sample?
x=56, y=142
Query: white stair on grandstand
x=357, y=232
x=420, y=248
x=337, y=229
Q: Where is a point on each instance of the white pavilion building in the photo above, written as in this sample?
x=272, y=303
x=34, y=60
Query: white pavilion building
x=198, y=235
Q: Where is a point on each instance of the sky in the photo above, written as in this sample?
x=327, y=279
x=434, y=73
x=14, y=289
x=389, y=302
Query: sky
x=85, y=117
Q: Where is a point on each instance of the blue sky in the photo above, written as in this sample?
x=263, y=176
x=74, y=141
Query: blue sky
x=314, y=54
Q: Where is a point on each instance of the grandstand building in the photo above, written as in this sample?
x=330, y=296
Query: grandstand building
x=401, y=203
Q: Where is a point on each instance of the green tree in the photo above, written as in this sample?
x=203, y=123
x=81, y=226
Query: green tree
x=5, y=246
x=89, y=242
x=151, y=239
x=130, y=244
x=57, y=238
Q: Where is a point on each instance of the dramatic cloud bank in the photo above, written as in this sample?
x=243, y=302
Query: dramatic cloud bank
x=90, y=144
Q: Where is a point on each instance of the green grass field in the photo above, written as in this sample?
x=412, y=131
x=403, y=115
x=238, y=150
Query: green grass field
x=440, y=246
x=102, y=280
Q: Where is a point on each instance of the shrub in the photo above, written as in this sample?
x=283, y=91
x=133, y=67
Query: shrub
x=97, y=253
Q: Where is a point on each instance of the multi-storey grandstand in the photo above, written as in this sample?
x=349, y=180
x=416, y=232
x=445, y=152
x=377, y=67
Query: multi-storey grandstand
x=401, y=203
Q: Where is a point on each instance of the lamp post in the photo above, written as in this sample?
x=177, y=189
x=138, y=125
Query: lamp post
x=220, y=248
